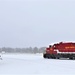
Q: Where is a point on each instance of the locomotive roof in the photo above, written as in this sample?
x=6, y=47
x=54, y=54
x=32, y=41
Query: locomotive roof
x=63, y=43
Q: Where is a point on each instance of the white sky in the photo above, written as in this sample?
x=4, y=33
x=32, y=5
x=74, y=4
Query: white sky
x=25, y=23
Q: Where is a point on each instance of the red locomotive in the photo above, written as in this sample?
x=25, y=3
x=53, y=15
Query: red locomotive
x=60, y=50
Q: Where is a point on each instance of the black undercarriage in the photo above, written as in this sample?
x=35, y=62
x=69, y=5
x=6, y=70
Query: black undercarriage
x=58, y=56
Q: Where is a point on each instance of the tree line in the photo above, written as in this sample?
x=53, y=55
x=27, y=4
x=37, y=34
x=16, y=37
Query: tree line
x=22, y=50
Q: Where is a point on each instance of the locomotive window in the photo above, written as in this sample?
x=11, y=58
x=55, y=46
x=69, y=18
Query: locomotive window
x=50, y=46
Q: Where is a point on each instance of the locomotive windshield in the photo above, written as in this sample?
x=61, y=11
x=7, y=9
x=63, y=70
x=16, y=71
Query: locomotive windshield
x=50, y=46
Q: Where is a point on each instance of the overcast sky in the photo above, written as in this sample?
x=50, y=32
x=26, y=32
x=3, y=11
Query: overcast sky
x=25, y=23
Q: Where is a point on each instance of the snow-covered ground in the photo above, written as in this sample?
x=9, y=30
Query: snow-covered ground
x=33, y=64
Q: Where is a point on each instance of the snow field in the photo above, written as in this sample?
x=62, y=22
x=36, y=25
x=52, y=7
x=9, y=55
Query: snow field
x=33, y=64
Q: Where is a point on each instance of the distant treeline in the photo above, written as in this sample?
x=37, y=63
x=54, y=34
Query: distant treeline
x=22, y=50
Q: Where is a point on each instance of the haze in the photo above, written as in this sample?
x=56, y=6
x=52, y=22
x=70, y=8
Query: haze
x=25, y=23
